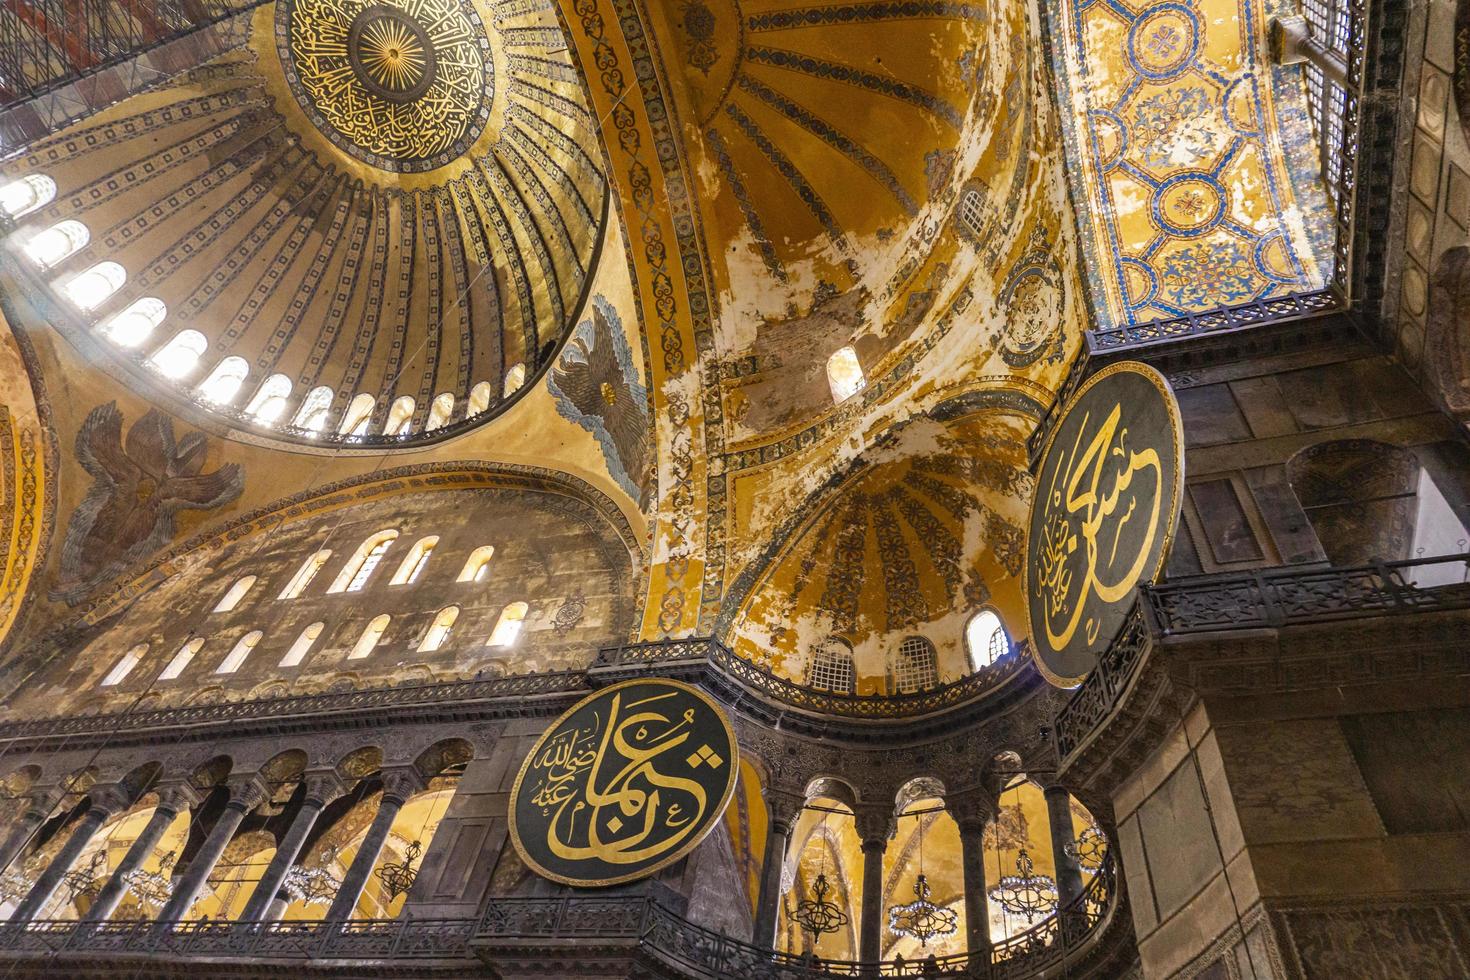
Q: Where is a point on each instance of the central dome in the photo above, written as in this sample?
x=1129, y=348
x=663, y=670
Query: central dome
x=404, y=87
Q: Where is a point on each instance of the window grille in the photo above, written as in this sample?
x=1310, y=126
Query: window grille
x=917, y=668
x=831, y=667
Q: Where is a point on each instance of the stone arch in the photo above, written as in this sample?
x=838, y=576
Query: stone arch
x=1360, y=497
x=443, y=756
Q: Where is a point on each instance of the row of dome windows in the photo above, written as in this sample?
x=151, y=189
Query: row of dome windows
x=916, y=665
x=181, y=356
x=364, y=561
x=507, y=630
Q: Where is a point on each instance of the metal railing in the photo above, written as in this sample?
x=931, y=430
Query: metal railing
x=45, y=44
x=1255, y=600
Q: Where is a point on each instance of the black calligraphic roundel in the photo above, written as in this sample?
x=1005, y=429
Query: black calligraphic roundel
x=1103, y=517
x=628, y=781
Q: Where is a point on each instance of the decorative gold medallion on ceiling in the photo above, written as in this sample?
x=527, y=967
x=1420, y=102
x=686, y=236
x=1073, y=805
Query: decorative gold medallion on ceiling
x=405, y=85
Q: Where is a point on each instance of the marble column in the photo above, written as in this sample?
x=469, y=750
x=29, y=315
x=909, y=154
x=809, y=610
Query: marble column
x=782, y=809
x=42, y=802
x=171, y=800
x=398, y=786
x=972, y=812
x=245, y=795
x=1069, y=872
x=874, y=828
x=321, y=789
x=105, y=801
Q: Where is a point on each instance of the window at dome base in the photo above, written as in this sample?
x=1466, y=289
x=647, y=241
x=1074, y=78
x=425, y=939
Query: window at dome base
x=359, y=413
x=136, y=323
x=269, y=403
x=831, y=667
x=916, y=667
x=225, y=381
x=52, y=246
x=985, y=639
x=514, y=379
x=315, y=410
x=21, y=197
x=845, y=374
x=180, y=356
x=479, y=399
x=400, y=417
x=90, y=289
x=440, y=411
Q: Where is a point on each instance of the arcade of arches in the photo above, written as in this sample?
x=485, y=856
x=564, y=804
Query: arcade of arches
x=380, y=379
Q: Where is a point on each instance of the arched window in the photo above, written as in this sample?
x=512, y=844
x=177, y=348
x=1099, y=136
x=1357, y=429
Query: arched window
x=508, y=626
x=302, y=646
x=53, y=245
x=439, y=632
x=985, y=639
x=27, y=194
x=440, y=411
x=477, y=566
x=269, y=402
x=370, y=637
x=305, y=574
x=974, y=213
x=232, y=598
x=180, y=356
x=315, y=409
x=831, y=667
x=355, y=575
x=400, y=417
x=479, y=399
x=181, y=659
x=917, y=666
x=237, y=656
x=90, y=289
x=845, y=374
x=224, y=382
x=514, y=378
x=413, y=563
x=125, y=665
x=359, y=413
x=136, y=323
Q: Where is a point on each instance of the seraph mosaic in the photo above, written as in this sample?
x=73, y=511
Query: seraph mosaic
x=138, y=486
x=596, y=386
x=1184, y=149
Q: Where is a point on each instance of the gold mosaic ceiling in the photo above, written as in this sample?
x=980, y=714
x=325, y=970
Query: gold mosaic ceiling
x=403, y=199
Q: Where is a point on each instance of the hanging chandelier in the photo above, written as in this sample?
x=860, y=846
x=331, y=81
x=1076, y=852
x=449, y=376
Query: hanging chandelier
x=921, y=919
x=817, y=915
x=398, y=876
x=314, y=885
x=84, y=881
x=153, y=888
x=1026, y=893
x=1089, y=849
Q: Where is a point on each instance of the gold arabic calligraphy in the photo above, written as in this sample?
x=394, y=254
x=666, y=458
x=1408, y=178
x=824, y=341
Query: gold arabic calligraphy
x=1084, y=494
x=602, y=787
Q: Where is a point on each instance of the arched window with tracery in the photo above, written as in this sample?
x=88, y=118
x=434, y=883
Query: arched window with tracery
x=414, y=562
x=302, y=646
x=234, y=594
x=90, y=289
x=241, y=650
x=368, y=641
x=400, y=417
x=440, y=410
x=477, y=566
x=359, y=413
x=508, y=626
x=136, y=323
x=269, y=402
x=355, y=574
x=125, y=666
x=479, y=399
x=180, y=356
x=305, y=574
x=21, y=197
x=440, y=629
x=985, y=639
x=182, y=658
x=315, y=409
x=845, y=374
x=54, y=245
x=831, y=668
x=916, y=665
x=224, y=382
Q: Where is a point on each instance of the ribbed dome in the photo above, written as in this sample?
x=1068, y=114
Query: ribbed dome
x=374, y=222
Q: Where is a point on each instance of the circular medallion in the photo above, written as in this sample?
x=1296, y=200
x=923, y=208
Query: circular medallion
x=625, y=783
x=1033, y=302
x=404, y=86
x=1104, y=514
x=1163, y=42
x=1189, y=204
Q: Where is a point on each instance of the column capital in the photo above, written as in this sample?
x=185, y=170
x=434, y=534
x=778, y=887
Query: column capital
x=783, y=808
x=972, y=809
x=178, y=795
x=874, y=825
x=247, y=791
x=43, y=799
x=108, y=799
x=322, y=785
x=401, y=782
